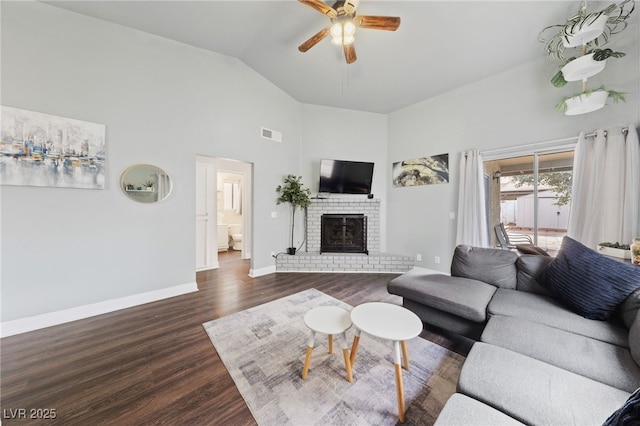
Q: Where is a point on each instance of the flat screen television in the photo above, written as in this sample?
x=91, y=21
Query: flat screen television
x=345, y=177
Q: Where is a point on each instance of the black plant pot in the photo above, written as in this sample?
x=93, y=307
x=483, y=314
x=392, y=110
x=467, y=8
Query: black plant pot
x=291, y=250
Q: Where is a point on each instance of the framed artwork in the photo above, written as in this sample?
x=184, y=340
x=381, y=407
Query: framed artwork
x=45, y=150
x=421, y=171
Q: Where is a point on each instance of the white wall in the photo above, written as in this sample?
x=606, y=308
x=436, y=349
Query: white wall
x=509, y=109
x=340, y=134
x=162, y=103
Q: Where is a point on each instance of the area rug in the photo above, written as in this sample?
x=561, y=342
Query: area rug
x=264, y=350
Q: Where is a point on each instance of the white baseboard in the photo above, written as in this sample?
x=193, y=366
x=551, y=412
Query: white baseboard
x=253, y=273
x=23, y=325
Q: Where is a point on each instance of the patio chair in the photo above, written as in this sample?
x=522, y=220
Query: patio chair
x=521, y=242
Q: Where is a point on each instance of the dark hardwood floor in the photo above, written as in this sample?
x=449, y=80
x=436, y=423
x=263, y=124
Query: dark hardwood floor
x=154, y=364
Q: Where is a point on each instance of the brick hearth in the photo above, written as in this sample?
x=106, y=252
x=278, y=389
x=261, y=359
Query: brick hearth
x=312, y=261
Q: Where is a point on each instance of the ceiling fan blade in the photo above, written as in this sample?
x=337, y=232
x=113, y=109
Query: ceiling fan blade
x=320, y=7
x=350, y=6
x=350, y=53
x=314, y=39
x=388, y=23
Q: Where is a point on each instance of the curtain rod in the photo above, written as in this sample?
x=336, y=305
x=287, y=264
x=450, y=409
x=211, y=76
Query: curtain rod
x=624, y=131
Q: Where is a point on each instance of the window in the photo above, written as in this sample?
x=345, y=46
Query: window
x=531, y=194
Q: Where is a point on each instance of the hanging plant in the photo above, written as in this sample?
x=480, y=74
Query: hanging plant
x=582, y=67
x=588, y=101
x=583, y=28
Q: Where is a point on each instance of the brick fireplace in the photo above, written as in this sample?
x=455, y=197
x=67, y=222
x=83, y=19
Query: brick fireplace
x=312, y=260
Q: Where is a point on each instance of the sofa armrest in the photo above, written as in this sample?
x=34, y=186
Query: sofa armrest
x=463, y=297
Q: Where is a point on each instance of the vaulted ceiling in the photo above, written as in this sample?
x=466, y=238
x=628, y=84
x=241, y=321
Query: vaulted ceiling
x=439, y=46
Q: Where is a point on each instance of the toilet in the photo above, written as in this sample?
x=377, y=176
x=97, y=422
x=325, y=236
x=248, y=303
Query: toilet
x=235, y=232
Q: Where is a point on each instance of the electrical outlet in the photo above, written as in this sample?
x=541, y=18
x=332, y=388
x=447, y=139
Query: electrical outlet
x=452, y=215
x=418, y=257
x=437, y=259
x=274, y=214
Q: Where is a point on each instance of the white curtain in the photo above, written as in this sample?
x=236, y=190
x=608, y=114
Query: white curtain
x=606, y=188
x=472, y=217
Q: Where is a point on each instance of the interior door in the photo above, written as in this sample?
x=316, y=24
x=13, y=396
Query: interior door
x=206, y=219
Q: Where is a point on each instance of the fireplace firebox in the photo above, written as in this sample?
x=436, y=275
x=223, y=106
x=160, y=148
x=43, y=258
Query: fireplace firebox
x=343, y=233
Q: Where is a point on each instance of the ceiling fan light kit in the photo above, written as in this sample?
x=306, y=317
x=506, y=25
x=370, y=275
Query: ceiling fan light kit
x=582, y=31
x=342, y=32
x=344, y=23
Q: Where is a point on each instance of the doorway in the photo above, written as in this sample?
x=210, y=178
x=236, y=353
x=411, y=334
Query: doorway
x=223, y=210
x=531, y=196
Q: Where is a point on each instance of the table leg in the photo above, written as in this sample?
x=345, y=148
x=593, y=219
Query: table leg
x=331, y=343
x=405, y=355
x=399, y=386
x=354, y=347
x=347, y=358
x=307, y=360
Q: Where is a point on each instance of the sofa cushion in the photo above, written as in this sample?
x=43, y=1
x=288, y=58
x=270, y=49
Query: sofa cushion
x=628, y=414
x=587, y=282
x=597, y=360
x=492, y=266
x=462, y=410
x=634, y=340
x=533, y=391
x=463, y=297
x=529, y=267
x=546, y=310
x=628, y=310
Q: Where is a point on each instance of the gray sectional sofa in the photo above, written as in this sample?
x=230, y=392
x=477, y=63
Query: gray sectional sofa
x=535, y=360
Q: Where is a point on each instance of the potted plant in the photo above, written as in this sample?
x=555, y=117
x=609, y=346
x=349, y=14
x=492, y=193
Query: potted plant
x=583, y=67
x=583, y=28
x=588, y=101
x=292, y=191
x=616, y=249
x=148, y=184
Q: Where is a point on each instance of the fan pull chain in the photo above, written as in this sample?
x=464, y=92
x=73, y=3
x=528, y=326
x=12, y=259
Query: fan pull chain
x=345, y=71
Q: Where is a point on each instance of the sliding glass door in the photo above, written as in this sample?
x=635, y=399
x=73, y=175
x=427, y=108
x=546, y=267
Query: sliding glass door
x=531, y=195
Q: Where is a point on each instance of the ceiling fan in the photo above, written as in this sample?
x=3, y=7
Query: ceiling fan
x=343, y=25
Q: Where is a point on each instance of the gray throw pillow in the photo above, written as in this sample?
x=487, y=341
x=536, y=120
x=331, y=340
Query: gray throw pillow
x=529, y=267
x=634, y=340
x=492, y=266
x=629, y=308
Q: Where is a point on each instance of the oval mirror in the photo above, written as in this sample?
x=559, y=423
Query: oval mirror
x=145, y=183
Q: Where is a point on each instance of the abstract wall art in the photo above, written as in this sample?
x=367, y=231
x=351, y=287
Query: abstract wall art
x=39, y=149
x=421, y=171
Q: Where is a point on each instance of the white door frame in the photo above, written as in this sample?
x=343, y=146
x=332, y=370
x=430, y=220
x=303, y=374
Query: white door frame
x=246, y=171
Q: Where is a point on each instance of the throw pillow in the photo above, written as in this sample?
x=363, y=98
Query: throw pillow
x=634, y=340
x=492, y=266
x=629, y=308
x=628, y=414
x=587, y=282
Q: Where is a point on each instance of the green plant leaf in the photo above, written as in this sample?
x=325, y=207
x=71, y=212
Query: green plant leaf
x=558, y=80
x=616, y=96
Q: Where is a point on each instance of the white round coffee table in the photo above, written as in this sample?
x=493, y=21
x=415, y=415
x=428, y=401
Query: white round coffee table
x=328, y=320
x=389, y=322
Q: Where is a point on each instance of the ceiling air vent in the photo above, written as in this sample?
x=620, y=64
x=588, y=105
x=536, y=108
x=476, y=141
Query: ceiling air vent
x=272, y=135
